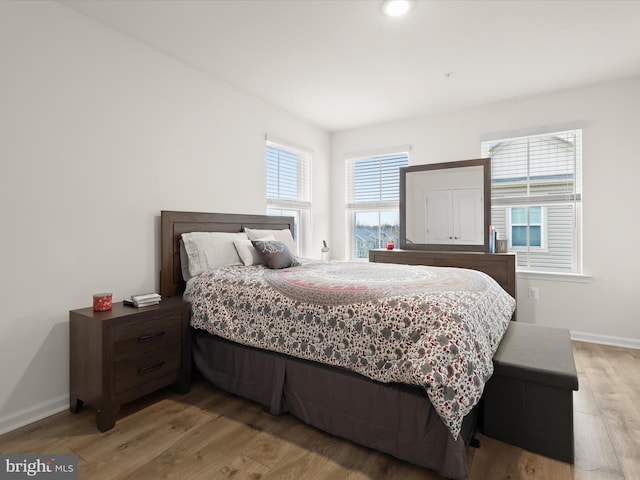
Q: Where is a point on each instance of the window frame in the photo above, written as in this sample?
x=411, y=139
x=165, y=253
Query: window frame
x=302, y=206
x=543, y=230
x=352, y=223
x=542, y=191
x=353, y=207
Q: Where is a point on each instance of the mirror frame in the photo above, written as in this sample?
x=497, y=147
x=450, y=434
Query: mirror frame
x=485, y=163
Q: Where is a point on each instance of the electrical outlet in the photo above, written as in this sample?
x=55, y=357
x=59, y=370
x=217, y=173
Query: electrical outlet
x=534, y=293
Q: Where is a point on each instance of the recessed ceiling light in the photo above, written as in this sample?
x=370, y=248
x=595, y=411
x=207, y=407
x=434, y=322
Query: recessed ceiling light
x=396, y=8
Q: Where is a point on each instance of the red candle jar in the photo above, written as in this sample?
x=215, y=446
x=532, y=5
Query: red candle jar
x=101, y=302
x=389, y=245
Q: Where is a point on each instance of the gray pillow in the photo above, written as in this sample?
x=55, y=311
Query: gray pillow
x=275, y=254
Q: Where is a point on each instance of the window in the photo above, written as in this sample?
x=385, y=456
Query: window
x=536, y=198
x=373, y=185
x=289, y=186
x=526, y=227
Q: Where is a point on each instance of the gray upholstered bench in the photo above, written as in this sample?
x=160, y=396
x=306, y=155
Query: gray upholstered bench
x=528, y=402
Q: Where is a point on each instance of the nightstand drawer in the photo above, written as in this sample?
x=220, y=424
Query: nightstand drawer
x=133, y=372
x=139, y=336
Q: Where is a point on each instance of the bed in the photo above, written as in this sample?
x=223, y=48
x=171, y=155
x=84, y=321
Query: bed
x=341, y=389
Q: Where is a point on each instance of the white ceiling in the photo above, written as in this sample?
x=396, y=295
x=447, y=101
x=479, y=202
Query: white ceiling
x=342, y=64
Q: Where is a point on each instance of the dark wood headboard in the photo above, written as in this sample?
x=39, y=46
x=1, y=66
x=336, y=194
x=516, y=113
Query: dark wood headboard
x=174, y=224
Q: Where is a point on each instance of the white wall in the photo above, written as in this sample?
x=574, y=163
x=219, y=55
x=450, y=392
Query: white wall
x=603, y=308
x=98, y=134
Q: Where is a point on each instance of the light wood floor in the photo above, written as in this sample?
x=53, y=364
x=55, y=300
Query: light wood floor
x=208, y=434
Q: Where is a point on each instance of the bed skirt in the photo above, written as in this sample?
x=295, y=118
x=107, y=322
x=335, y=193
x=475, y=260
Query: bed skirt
x=393, y=418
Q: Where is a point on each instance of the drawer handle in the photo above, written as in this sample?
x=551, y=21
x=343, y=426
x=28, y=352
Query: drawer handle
x=145, y=338
x=144, y=370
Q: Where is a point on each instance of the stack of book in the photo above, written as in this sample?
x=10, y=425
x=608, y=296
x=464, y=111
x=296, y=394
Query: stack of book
x=143, y=300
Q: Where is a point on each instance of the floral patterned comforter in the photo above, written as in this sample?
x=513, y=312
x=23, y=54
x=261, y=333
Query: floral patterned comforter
x=434, y=327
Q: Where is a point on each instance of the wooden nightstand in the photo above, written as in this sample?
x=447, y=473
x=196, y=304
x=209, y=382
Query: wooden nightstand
x=122, y=354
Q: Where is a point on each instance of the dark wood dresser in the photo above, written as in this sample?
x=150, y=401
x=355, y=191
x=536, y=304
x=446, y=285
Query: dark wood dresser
x=500, y=266
x=122, y=354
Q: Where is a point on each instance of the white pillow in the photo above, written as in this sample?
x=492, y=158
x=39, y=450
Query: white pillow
x=209, y=250
x=283, y=236
x=184, y=262
x=247, y=252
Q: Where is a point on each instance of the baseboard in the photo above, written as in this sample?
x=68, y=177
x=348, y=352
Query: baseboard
x=605, y=340
x=33, y=413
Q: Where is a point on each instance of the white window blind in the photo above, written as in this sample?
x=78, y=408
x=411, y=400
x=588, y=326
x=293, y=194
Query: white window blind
x=375, y=181
x=288, y=176
x=538, y=181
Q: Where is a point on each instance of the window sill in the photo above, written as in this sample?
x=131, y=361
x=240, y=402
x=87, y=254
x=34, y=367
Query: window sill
x=554, y=276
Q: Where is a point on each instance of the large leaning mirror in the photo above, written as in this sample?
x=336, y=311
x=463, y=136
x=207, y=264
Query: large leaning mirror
x=446, y=206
